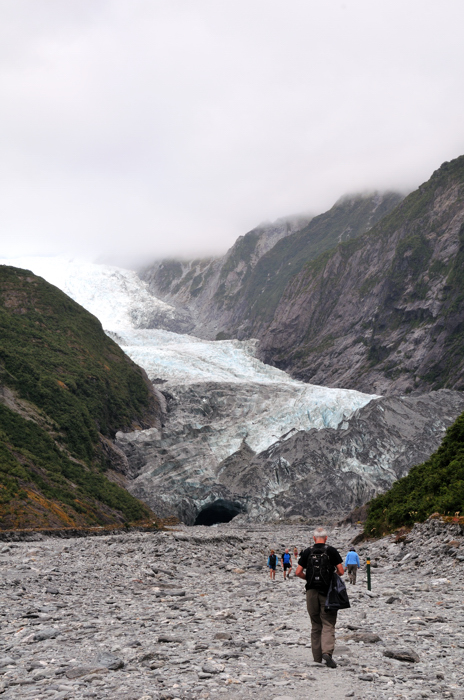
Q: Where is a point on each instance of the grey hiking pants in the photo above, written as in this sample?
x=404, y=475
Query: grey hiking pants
x=352, y=571
x=322, y=624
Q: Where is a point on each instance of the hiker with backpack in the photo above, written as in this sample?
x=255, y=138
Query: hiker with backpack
x=272, y=564
x=316, y=566
x=286, y=561
x=352, y=564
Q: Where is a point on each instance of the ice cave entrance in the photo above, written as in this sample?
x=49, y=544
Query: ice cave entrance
x=218, y=512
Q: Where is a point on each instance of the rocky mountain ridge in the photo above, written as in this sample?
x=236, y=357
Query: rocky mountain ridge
x=365, y=296
x=383, y=312
x=227, y=296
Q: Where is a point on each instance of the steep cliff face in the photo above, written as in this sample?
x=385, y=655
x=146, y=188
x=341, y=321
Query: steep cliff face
x=202, y=285
x=383, y=312
x=236, y=296
x=252, y=307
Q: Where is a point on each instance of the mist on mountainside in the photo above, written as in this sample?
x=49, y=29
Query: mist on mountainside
x=198, y=250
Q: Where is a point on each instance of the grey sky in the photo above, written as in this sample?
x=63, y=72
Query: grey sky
x=136, y=129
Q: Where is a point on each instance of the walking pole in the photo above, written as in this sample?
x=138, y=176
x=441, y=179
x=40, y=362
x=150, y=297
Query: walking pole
x=368, y=570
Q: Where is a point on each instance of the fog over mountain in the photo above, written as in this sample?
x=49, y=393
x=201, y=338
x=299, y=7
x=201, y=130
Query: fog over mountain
x=135, y=131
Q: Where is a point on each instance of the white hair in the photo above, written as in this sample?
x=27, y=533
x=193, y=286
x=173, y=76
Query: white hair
x=319, y=533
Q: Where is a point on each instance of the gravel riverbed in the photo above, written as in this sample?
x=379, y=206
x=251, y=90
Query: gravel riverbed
x=191, y=613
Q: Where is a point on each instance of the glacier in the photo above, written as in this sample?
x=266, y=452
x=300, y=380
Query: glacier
x=221, y=404
x=124, y=306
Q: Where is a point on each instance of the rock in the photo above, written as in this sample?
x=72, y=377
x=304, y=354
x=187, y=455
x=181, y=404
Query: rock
x=222, y=635
x=435, y=618
x=6, y=661
x=46, y=633
x=168, y=639
x=392, y=599
x=80, y=671
x=366, y=637
x=211, y=667
x=405, y=655
x=109, y=661
x=365, y=677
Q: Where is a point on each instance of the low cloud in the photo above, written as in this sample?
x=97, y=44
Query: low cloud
x=137, y=130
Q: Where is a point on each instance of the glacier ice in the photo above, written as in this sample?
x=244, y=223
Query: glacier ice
x=268, y=403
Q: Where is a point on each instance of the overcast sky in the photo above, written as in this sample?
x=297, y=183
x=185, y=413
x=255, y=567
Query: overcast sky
x=135, y=129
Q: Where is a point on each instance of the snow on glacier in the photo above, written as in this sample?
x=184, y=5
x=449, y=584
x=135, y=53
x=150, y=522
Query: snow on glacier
x=117, y=297
x=122, y=303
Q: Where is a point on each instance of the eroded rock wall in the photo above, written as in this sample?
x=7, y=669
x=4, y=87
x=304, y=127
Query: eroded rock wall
x=309, y=473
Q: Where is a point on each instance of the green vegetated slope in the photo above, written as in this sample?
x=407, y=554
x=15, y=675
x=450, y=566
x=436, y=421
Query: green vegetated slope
x=64, y=387
x=262, y=290
x=383, y=312
x=436, y=486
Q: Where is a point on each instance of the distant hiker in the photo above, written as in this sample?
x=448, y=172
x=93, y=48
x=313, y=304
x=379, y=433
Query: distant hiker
x=286, y=561
x=352, y=563
x=295, y=554
x=272, y=563
x=320, y=562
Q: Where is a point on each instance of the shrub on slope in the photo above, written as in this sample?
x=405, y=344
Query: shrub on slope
x=437, y=485
x=65, y=384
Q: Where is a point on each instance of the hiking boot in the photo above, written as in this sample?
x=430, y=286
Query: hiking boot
x=329, y=661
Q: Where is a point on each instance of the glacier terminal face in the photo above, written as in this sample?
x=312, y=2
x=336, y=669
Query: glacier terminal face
x=237, y=431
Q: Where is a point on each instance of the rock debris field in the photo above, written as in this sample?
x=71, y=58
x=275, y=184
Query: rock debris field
x=191, y=613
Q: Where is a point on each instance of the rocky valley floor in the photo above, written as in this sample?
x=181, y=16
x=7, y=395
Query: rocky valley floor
x=191, y=613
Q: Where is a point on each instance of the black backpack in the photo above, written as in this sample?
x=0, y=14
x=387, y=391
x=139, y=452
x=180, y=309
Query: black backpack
x=319, y=570
x=337, y=596
x=272, y=559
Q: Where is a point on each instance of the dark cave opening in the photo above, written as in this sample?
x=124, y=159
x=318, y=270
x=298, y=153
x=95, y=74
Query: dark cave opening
x=218, y=512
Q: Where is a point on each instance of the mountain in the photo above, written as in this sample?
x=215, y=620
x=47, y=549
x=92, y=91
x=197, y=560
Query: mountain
x=382, y=312
x=236, y=295
x=197, y=285
x=235, y=435
x=214, y=396
x=437, y=485
x=65, y=390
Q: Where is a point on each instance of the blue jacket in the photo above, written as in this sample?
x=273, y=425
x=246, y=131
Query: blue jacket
x=352, y=558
